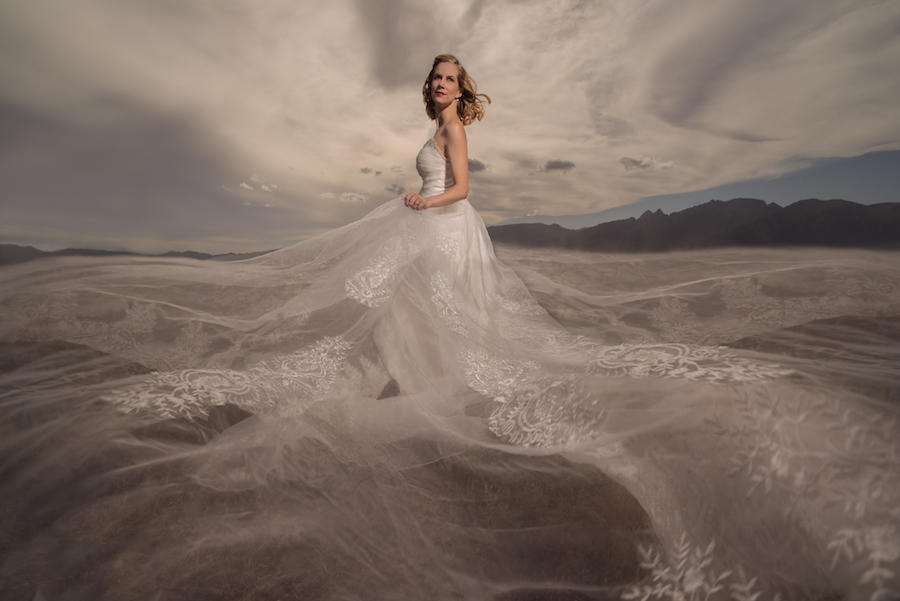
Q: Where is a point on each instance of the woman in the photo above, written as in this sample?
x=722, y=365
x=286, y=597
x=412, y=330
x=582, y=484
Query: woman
x=384, y=411
x=451, y=100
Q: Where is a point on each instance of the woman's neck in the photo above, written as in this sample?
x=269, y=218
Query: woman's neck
x=448, y=115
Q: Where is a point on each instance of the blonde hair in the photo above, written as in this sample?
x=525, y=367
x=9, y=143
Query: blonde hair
x=470, y=105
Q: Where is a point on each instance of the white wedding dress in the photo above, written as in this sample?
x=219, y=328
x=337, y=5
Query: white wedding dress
x=403, y=326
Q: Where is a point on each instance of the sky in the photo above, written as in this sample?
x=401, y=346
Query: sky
x=868, y=179
x=241, y=125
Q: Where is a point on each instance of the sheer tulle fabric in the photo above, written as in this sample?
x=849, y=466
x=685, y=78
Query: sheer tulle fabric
x=299, y=403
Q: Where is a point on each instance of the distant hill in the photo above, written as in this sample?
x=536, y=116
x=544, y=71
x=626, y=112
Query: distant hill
x=574, y=222
x=13, y=253
x=736, y=222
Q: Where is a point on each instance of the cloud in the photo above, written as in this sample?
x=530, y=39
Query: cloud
x=365, y=170
x=558, y=165
x=611, y=127
x=644, y=163
x=259, y=184
x=395, y=189
x=354, y=197
x=734, y=91
x=127, y=169
x=736, y=39
x=345, y=197
x=400, y=31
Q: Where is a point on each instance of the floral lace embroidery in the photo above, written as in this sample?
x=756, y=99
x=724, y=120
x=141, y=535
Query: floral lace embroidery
x=307, y=373
x=548, y=411
x=672, y=360
x=448, y=243
x=525, y=305
x=770, y=432
x=372, y=285
x=688, y=573
x=131, y=335
x=515, y=298
x=494, y=377
x=532, y=410
x=442, y=297
x=540, y=409
x=774, y=302
x=856, y=477
x=873, y=547
x=688, y=576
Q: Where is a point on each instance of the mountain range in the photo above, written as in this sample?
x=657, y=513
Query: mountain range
x=13, y=253
x=736, y=222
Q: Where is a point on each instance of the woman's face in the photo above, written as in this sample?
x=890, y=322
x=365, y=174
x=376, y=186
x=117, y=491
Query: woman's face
x=444, y=84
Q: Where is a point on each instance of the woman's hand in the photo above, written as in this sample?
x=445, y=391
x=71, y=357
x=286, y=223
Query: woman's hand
x=416, y=202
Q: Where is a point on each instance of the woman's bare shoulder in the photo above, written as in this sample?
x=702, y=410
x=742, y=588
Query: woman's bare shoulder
x=454, y=133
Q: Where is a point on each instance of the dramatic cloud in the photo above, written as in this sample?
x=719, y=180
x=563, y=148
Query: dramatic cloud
x=139, y=123
x=558, y=165
x=611, y=127
x=644, y=163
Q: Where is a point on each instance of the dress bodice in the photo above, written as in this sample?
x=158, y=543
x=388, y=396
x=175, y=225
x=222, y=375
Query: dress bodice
x=434, y=169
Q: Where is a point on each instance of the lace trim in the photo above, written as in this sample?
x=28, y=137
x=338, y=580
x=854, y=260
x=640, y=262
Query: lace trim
x=546, y=412
x=442, y=297
x=372, y=285
x=303, y=375
x=851, y=475
x=710, y=363
x=494, y=377
x=525, y=305
x=131, y=335
x=448, y=243
x=688, y=576
x=537, y=409
x=515, y=298
x=688, y=573
x=774, y=454
x=532, y=409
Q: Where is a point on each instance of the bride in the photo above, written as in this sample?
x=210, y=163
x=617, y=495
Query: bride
x=385, y=411
x=451, y=100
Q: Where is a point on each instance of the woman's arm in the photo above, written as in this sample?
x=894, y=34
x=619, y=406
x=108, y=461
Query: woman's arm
x=457, y=152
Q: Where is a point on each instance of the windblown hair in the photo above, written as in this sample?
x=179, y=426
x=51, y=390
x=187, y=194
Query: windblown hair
x=470, y=105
